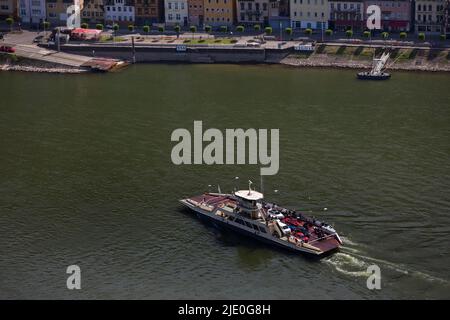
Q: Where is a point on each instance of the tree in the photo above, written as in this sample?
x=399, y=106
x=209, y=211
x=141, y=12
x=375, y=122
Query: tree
x=366, y=34
x=84, y=25
x=288, y=31
x=193, y=29
x=268, y=30
x=146, y=29
x=99, y=26
x=161, y=29
x=10, y=22
x=46, y=26
x=421, y=36
x=257, y=27
x=403, y=35
x=385, y=35
x=240, y=28
x=116, y=27
x=130, y=28
x=208, y=29
x=329, y=32
x=223, y=28
x=177, y=28
x=308, y=31
x=443, y=37
x=349, y=33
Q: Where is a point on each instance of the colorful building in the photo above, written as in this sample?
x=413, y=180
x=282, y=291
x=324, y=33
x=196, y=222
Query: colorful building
x=312, y=14
x=119, y=11
x=148, y=12
x=93, y=11
x=32, y=11
x=430, y=16
x=8, y=8
x=347, y=15
x=251, y=12
x=395, y=15
x=176, y=12
x=219, y=12
x=196, y=12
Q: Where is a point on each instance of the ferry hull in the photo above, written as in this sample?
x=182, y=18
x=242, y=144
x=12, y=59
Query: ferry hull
x=368, y=76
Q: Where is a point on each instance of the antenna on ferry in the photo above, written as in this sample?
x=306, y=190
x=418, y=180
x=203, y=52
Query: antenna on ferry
x=249, y=186
x=235, y=187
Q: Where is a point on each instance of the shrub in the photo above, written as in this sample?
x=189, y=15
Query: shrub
x=329, y=32
x=177, y=28
x=403, y=35
x=268, y=30
x=349, y=33
x=84, y=25
x=443, y=37
x=421, y=36
x=99, y=26
x=130, y=27
x=385, y=35
x=288, y=31
x=366, y=34
x=208, y=28
x=146, y=29
x=257, y=27
x=240, y=28
x=193, y=29
x=308, y=31
x=116, y=27
x=9, y=21
x=223, y=29
x=161, y=29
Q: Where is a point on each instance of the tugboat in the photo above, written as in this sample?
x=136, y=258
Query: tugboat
x=377, y=72
x=246, y=212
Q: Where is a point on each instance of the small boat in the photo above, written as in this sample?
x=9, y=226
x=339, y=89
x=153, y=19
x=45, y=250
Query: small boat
x=377, y=73
x=247, y=213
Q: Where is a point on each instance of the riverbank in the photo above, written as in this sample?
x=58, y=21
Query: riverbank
x=11, y=62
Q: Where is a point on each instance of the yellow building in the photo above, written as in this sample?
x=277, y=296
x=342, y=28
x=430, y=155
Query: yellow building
x=93, y=11
x=312, y=14
x=219, y=12
x=57, y=10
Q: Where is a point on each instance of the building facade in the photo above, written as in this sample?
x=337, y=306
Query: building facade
x=8, y=8
x=32, y=11
x=395, y=15
x=251, y=12
x=219, y=12
x=196, y=12
x=347, y=15
x=312, y=14
x=119, y=11
x=148, y=12
x=430, y=16
x=56, y=10
x=279, y=15
x=176, y=12
x=93, y=12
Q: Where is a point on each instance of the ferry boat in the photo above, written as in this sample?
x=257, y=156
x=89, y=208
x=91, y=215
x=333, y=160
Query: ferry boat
x=246, y=212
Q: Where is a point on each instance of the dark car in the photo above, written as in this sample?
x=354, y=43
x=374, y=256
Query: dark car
x=7, y=49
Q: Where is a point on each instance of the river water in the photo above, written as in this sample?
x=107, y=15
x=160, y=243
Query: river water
x=86, y=178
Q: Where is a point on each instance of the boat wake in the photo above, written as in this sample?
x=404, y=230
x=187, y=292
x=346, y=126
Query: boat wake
x=352, y=262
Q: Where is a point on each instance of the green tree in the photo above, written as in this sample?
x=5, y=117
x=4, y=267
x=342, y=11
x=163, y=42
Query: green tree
x=268, y=30
x=257, y=27
x=9, y=21
x=193, y=29
x=208, y=29
x=329, y=32
x=84, y=25
x=385, y=35
x=130, y=28
x=177, y=28
x=161, y=29
x=99, y=26
x=288, y=31
x=443, y=37
x=403, y=35
x=421, y=36
x=240, y=28
x=223, y=28
x=146, y=29
x=349, y=33
x=308, y=31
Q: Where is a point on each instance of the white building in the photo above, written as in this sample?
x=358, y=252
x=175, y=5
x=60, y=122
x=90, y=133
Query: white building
x=176, y=12
x=32, y=11
x=312, y=14
x=119, y=11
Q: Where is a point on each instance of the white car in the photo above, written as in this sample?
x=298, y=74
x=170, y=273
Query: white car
x=284, y=227
x=275, y=214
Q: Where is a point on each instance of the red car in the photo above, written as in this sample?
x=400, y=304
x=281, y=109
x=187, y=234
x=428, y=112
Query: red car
x=7, y=49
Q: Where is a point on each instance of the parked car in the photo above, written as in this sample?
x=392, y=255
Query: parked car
x=7, y=49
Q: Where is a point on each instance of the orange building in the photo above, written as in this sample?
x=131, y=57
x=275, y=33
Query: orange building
x=220, y=12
